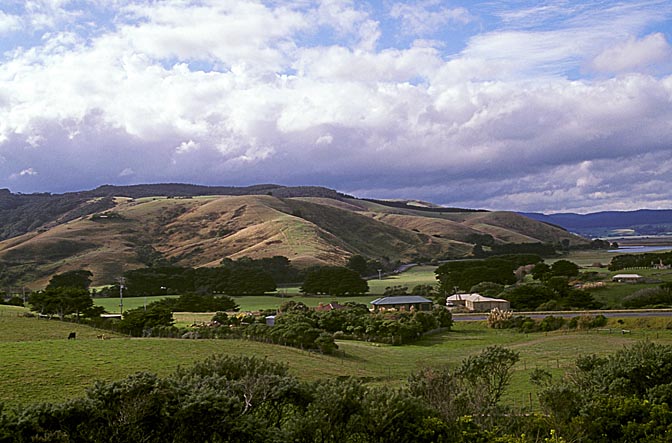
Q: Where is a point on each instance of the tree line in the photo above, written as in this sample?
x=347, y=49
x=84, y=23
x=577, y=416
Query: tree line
x=240, y=277
x=646, y=260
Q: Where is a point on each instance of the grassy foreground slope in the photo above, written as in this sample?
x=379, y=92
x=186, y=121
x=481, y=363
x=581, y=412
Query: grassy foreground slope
x=40, y=364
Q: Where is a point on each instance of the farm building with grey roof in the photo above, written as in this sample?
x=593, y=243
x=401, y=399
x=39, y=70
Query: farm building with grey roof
x=403, y=303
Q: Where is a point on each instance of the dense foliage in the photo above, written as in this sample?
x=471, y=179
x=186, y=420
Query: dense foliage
x=297, y=325
x=465, y=274
x=554, y=295
x=80, y=279
x=526, y=324
x=248, y=399
x=650, y=297
x=640, y=260
x=63, y=301
x=156, y=319
x=278, y=267
x=561, y=268
x=623, y=397
x=336, y=281
x=166, y=280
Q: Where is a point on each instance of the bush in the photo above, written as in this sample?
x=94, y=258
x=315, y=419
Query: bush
x=648, y=297
x=551, y=323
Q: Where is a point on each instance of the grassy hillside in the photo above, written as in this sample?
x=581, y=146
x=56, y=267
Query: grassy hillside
x=315, y=229
x=40, y=364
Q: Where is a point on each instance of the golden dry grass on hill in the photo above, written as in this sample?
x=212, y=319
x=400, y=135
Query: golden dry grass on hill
x=201, y=231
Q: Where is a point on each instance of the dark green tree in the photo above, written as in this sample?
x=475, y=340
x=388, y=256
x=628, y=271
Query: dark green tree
x=541, y=271
x=61, y=301
x=565, y=268
x=358, y=264
x=80, y=279
x=336, y=281
x=140, y=321
x=529, y=296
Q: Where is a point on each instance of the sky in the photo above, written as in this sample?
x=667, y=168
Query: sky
x=547, y=106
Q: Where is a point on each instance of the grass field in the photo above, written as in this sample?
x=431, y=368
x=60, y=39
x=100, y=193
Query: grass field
x=419, y=275
x=39, y=364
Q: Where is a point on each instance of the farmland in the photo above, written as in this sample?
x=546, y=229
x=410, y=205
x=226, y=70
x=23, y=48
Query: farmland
x=611, y=295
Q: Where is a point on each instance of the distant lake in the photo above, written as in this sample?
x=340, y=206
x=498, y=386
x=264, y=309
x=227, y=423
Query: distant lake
x=640, y=249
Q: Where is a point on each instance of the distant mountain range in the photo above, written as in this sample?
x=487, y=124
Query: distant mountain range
x=611, y=223
x=111, y=229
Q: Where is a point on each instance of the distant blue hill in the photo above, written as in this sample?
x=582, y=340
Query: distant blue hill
x=643, y=221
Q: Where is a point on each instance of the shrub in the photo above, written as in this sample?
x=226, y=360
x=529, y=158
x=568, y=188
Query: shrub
x=551, y=323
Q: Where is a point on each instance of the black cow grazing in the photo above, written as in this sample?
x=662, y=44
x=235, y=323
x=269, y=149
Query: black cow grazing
x=72, y=336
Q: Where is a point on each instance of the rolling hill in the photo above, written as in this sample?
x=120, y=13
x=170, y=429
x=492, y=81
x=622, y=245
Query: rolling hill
x=113, y=229
x=609, y=223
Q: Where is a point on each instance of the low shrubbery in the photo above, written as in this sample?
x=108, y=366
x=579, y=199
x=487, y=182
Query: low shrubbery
x=295, y=324
x=506, y=320
x=650, y=297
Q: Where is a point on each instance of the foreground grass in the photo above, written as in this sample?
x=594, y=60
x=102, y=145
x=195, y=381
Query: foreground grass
x=39, y=364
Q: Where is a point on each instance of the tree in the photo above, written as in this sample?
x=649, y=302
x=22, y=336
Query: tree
x=80, y=279
x=465, y=274
x=541, y=271
x=489, y=374
x=138, y=321
x=61, y=301
x=358, y=264
x=487, y=288
x=474, y=388
x=565, y=268
x=528, y=297
x=250, y=281
x=335, y=281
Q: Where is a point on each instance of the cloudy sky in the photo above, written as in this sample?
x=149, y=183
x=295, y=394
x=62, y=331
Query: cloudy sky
x=508, y=104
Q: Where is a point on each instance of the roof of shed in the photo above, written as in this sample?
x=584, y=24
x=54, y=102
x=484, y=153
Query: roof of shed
x=400, y=300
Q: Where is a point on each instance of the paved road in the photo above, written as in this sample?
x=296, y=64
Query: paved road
x=657, y=313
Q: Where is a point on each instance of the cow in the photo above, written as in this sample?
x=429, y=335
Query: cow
x=72, y=336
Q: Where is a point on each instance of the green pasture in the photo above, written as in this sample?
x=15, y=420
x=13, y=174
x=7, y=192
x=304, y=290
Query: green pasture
x=111, y=304
x=39, y=364
x=417, y=275
x=611, y=295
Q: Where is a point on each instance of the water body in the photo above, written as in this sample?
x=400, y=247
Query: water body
x=640, y=249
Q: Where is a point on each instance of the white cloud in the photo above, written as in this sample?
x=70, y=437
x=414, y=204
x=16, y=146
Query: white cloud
x=230, y=33
x=187, y=147
x=325, y=139
x=29, y=171
x=9, y=23
x=23, y=173
x=35, y=140
x=127, y=172
x=634, y=54
x=428, y=17
x=184, y=91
